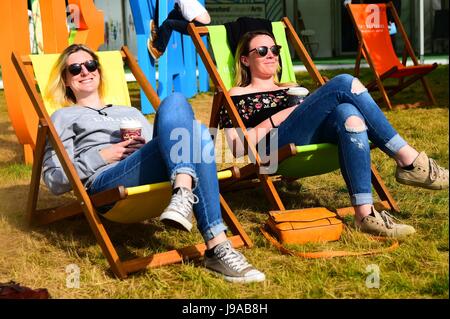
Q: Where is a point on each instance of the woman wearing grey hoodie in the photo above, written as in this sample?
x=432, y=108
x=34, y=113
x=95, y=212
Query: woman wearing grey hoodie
x=90, y=132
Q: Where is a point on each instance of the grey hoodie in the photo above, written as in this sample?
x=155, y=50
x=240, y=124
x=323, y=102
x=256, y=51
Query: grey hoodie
x=83, y=132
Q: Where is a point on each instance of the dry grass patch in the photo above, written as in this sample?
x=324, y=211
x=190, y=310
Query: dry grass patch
x=417, y=269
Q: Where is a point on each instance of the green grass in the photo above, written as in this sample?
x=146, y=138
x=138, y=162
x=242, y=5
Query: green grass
x=38, y=257
x=15, y=171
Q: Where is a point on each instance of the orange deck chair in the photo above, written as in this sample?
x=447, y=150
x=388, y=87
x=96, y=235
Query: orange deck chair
x=375, y=44
x=130, y=205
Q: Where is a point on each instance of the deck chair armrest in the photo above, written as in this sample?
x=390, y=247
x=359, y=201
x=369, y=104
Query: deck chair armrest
x=235, y=172
x=287, y=151
x=109, y=196
x=284, y=152
x=100, y=199
x=48, y=215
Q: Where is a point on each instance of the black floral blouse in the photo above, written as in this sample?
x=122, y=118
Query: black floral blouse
x=255, y=107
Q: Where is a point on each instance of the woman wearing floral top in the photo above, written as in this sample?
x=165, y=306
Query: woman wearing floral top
x=340, y=112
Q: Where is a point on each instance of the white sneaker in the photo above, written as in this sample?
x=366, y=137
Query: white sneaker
x=179, y=213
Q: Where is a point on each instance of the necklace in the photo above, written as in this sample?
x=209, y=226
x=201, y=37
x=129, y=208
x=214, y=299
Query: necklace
x=100, y=111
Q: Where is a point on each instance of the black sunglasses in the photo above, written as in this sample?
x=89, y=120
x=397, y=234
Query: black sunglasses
x=263, y=50
x=90, y=65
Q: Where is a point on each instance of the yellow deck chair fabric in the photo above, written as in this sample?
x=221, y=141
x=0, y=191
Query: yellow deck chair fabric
x=116, y=91
x=146, y=201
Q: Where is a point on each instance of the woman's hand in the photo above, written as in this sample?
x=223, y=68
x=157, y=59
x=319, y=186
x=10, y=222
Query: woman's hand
x=257, y=133
x=119, y=151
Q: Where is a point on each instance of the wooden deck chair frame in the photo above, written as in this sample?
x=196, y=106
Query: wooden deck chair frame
x=86, y=204
x=222, y=97
x=388, y=91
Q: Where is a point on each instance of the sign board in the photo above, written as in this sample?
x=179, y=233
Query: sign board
x=226, y=12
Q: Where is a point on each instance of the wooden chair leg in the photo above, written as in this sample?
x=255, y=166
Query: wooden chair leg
x=232, y=222
x=239, y=239
x=172, y=256
x=36, y=175
x=382, y=190
x=384, y=94
x=217, y=103
x=427, y=89
x=104, y=241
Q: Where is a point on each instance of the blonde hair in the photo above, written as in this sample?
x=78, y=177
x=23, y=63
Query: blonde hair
x=243, y=76
x=57, y=92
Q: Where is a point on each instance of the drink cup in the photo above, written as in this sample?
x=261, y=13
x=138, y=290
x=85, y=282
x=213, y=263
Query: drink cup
x=297, y=95
x=130, y=129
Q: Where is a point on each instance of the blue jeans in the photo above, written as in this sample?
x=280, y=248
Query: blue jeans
x=175, y=21
x=178, y=146
x=321, y=119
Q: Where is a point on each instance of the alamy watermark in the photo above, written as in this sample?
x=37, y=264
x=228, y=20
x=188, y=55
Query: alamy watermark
x=373, y=279
x=198, y=145
x=373, y=18
x=73, y=16
x=73, y=276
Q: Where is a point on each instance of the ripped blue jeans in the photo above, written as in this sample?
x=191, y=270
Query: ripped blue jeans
x=179, y=145
x=322, y=118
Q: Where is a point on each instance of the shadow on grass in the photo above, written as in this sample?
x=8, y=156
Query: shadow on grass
x=74, y=234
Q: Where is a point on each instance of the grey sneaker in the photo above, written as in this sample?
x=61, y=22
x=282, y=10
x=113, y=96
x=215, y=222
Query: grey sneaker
x=426, y=173
x=232, y=264
x=179, y=212
x=382, y=224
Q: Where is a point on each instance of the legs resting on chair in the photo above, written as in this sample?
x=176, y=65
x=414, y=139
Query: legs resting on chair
x=350, y=118
x=195, y=185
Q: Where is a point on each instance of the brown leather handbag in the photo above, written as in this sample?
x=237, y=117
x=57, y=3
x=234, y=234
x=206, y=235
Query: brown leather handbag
x=310, y=225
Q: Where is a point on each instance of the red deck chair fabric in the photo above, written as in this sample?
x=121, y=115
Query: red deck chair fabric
x=370, y=21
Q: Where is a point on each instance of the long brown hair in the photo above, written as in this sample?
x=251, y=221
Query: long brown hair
x=57, y=91
x=243, y=75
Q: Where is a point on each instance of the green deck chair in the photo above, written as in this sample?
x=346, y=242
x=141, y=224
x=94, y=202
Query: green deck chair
x=129, y=205
x=294, y=161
